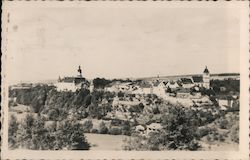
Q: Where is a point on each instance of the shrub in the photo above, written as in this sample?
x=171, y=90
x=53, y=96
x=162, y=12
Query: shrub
x=223, y=124
x=103, y=129
x=234, y=133
x=156, y=110
x=193, y=145
x=201, y=132
x=115, y=131
x=94, y=131
x=53, y=114
x=137, y=108
x=87, y=126
x=120, y=94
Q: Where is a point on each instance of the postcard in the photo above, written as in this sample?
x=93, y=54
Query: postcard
x=125, y=80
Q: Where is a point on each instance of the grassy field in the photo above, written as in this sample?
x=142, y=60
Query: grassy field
x=105, y=141
x=220, y=146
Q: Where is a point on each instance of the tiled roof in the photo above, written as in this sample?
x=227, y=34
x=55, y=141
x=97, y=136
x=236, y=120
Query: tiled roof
x=186, y=81
x=183, y=90
x=76, y=80
x=197, y=79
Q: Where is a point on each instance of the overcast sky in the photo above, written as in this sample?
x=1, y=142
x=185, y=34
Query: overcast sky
x=121, y=42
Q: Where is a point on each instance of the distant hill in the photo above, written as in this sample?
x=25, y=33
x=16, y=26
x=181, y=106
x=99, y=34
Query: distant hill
x=175, y=77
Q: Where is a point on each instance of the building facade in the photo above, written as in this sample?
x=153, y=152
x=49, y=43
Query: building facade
x=72, y=83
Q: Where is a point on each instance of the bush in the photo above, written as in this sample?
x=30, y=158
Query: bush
x=100, y=82
x=223, y=124
x=87, y=126
x=203, y=132
x=94, y=131
x=137, y=108
x=115, y=131
x=53, y=114
x=156, y=110
x=103, y=129
x=120, y=94
x=234, y=133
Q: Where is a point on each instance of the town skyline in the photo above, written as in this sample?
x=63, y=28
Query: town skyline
x=121, y=44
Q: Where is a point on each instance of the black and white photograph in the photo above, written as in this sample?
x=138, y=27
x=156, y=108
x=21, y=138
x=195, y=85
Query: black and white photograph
x=121, y=77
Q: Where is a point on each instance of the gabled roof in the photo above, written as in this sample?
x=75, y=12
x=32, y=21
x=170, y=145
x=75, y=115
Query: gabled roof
x=197, y=79
x=183, y=90
x=164, y=82
x=73, y=80
x=186, y=81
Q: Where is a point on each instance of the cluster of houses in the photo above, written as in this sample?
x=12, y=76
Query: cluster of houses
x=145, y=130
x=180, y=88
x=183, y=88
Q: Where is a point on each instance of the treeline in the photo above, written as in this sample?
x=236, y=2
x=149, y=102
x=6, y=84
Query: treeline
x=31, y=133
x=34, y=96
x=101, y=83
x=229, y=85
x=56, y=105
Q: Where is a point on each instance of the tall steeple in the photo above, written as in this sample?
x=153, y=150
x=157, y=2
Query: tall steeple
x=206, y=78
x=206, y=70
x=79, y=71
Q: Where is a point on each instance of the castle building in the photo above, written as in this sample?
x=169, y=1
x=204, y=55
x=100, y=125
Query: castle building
x=72, y=83
x=206, y=78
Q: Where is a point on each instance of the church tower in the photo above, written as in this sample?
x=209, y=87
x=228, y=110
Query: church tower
x=206, y=78
x=79, y=72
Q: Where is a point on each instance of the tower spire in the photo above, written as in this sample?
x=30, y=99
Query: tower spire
x=79, y=71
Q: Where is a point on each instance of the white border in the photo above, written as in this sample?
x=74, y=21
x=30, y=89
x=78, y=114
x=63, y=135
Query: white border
x=243, y=153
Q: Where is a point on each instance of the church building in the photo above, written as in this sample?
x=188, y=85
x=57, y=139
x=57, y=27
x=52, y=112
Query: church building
x=72, y=83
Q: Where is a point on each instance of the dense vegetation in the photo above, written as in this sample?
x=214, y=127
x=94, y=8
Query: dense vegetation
x=183, y=127
x=32, y=134
x=56, y=105
x=229, y=85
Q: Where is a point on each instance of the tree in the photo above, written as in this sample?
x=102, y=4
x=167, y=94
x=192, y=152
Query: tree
x=53, y=114
x=126, y=129
x=77, y=138
x=12, y=132
x=87, y=126
x=120, y=94
x=25, y=137
x=87, y=100
x=70, y=135
x=179, y=129
x=39, y=136
x=178, y=132
x=137, y=108
x=100, y=82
